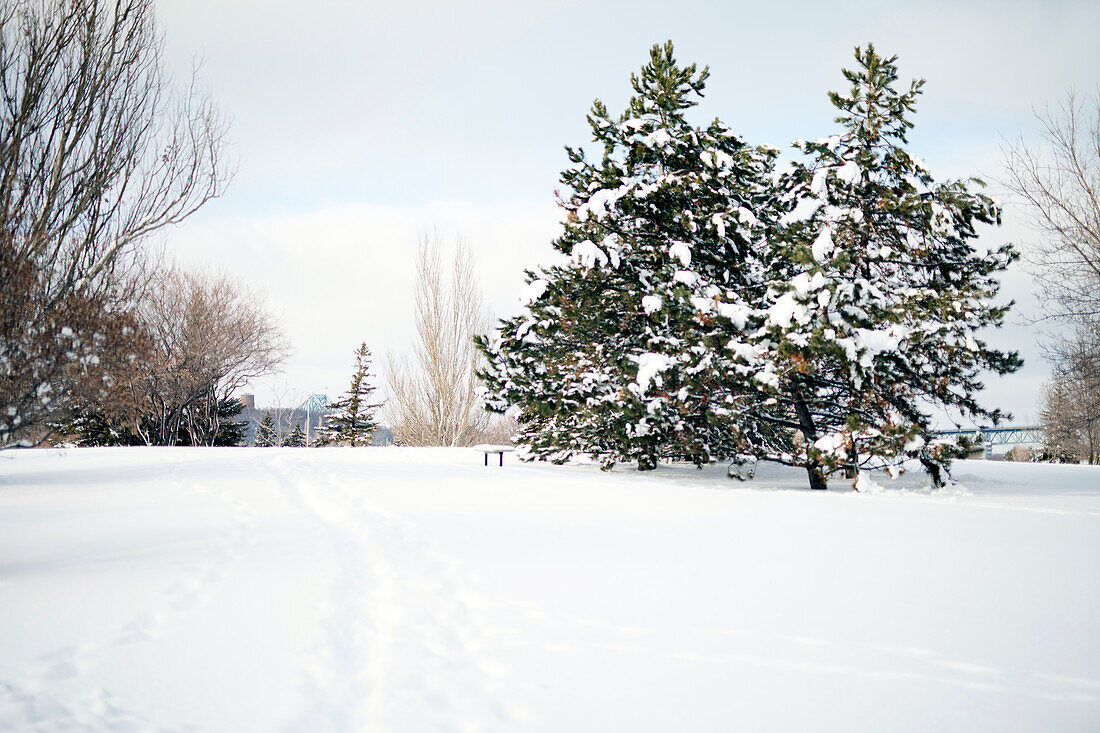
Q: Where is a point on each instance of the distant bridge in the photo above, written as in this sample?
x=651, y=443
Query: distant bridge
x=315, y=404
x=991, y=436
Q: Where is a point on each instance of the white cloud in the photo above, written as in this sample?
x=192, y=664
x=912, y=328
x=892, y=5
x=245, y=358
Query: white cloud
x=344, y=274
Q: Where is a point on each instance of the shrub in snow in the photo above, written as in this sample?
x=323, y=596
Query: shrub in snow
x=624, y=353
x=92, y=425
x=56, y=353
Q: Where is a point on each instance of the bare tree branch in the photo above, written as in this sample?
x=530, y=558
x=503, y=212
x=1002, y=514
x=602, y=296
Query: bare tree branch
x=1058, y=182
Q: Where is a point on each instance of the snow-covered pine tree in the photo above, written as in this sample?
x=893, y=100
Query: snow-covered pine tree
x=351, y=420
x=266, y=434
x=635, y=350
x=297, y=438
x=878, y=290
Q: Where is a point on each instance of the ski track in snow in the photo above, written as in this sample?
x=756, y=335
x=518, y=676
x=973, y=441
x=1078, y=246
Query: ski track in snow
x=375, y=624
x=383, y=616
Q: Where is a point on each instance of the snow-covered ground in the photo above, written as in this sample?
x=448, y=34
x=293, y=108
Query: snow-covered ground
x=389, y=589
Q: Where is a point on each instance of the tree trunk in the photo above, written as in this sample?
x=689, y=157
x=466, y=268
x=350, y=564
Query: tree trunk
x=817, y=478
x=851, y=470
x=809, y=433
x=935, y=471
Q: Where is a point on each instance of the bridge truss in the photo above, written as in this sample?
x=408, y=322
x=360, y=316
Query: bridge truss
x=991, y=436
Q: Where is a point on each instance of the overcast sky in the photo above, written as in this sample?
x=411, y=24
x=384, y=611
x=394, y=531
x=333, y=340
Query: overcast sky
x=357, y=125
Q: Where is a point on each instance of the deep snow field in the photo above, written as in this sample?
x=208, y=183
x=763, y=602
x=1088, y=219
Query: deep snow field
x=397, y=589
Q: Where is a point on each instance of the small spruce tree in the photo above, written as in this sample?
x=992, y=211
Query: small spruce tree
x=297, y=438
x=351, y=420
x=266, y=434
x=230, y=430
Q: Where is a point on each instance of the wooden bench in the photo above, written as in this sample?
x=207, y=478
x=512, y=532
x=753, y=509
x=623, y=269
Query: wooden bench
x=498, y=449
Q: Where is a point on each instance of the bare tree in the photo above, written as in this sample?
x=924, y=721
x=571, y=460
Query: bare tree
x=434, y=397
x=97, y=152
x=500, y=430
x=1070, y=400
x=283, y=405
x=210, y=336
x=1058, y=181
